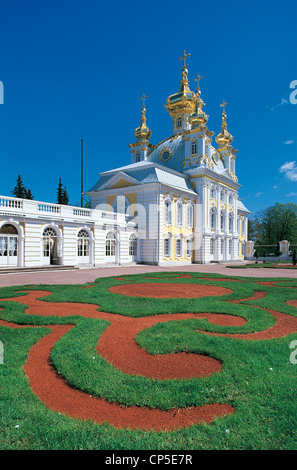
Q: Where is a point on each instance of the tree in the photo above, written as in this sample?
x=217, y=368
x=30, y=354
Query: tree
x=276, y=223
x=28, y=194
x=62, y=195
x=20, y=190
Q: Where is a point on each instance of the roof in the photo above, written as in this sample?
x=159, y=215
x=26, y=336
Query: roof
x=241, y=207
x=147, y=172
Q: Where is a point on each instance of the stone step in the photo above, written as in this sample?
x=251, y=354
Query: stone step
x=7, y=270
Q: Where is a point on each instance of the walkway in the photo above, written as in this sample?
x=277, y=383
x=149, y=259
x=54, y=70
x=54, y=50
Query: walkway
x=83, y=276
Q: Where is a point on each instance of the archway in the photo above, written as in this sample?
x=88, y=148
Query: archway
x=8, y=245
x=49, y=246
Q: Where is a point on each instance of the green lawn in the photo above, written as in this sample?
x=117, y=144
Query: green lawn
x=257, y=378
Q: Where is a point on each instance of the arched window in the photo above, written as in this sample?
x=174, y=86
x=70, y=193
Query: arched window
x=179, y=122
x=133, y=246
x=230, y=222
x=179, y=213
x=83, y=243
x=189, y=215
x=49, y=248
x=137, y=157
x=49, y=232
x=8, y=229
x=212, y=218
x=110, y=244
x=121, y=204
x=194, y=147
x=167, y=212
x=179, y=248
x=222, y=220
x=8, y=245
x=211, y=246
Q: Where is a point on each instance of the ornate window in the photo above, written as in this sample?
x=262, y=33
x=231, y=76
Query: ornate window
x=222, y=220
x=83, y=243
x=230, y=222
x=133, y=246
x=8, y=229
x=167, y=246
x=110, y=244
x=212, y=218
x=179, y=213
x=178, y=247
x=189, y=247
x=137, y=157
x=168, y=212
x=49, y=237
x=211, y=246
x=121, y=204
x=8, y=240
x=189, y=215
x=179, y=122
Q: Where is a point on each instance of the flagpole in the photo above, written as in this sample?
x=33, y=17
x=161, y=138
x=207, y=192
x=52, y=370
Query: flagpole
x=82, y=170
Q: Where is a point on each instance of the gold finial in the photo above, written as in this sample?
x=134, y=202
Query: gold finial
x=223, y=105
x=184, y=58
x=143, y=98
x=197, y=79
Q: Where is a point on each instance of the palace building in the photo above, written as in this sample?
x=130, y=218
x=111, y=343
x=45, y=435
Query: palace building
x=176, y=203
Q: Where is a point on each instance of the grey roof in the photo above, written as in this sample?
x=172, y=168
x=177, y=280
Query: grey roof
x=241, y=207
x=148, y=172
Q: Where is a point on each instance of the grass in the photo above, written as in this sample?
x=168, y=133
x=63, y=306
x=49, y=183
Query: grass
x=266, y=264
x=257, y=378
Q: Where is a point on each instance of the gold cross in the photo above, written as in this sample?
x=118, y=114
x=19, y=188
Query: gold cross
x=223, y=105
x=197, y=79
x=184, y=58
x=143, y=98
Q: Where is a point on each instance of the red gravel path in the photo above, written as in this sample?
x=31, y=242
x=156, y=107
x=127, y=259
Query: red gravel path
x=166, y=290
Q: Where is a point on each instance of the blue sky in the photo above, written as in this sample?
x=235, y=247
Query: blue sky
x=76, y=70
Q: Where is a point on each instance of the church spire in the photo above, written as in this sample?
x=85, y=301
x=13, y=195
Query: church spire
x=143, y=133
x=199, y=118
x=141, y=148
x=181, y=105
x=224, y=138
x=225, y=150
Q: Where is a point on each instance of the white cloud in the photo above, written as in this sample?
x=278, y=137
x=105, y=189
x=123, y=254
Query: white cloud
x=289, y=142
x=275, y=186
x=291, y=194
x=290, y=170
x=259, y=194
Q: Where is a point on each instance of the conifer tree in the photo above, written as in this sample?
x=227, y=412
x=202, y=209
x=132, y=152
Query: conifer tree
x=20, y=190
x=62, y=195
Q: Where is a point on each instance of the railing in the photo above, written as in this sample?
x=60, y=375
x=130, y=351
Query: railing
x=12, y=203
x=36, y=209
x=53, y=209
